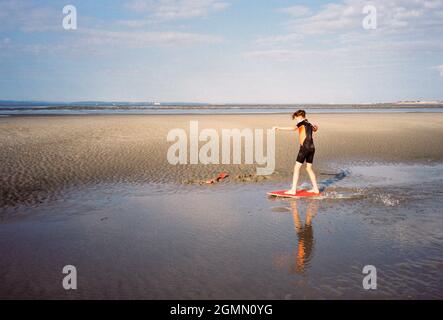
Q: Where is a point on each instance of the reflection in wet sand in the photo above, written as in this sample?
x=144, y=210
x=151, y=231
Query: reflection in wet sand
x=305, y=234
x=299, y=260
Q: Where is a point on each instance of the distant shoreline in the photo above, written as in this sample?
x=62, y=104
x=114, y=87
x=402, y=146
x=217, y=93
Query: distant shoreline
x=214, y=109
x=92, y=105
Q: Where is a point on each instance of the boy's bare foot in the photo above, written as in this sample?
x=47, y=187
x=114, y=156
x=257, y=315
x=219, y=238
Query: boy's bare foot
x=291, y=192
x=316, y=191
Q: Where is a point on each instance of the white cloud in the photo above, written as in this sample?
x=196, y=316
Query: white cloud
x=25, y=16
x=295, y=11
x=433, y=4
x=440, y=69
x=284, y=55
x=393, y=15
x=97, y=41
x=292, y=38
x=94, y=36
x=132, y=23
x=177, y=9
x=337, y=29
x=142, y=39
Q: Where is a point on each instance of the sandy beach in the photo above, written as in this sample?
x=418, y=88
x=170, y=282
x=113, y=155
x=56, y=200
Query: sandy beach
x=42, y=156
x=98, y=192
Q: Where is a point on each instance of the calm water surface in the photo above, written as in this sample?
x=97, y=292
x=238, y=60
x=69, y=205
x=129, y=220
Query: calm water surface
x=231, y=241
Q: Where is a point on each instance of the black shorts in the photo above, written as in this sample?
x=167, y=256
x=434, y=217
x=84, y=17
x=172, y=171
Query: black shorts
x=306, y=154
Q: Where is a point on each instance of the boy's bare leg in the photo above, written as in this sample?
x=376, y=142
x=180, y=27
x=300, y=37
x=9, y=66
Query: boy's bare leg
x=313, y=179
x=293, y=190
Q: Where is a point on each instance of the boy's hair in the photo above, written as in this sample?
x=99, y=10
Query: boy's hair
x=299, y=113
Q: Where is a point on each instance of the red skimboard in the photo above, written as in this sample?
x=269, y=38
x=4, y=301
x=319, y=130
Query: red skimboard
x=299, y=194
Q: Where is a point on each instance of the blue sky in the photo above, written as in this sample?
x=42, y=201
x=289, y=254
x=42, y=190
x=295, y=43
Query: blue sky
x=222, y=51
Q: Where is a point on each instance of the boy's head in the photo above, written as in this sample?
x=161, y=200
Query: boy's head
x=299, y=115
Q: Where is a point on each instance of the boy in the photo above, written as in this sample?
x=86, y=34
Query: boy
x=307, y=150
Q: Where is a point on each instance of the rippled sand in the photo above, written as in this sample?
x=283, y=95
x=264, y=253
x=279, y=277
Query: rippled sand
x=41, y=157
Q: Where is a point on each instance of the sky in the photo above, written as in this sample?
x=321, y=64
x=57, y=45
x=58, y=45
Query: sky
x=222, y=51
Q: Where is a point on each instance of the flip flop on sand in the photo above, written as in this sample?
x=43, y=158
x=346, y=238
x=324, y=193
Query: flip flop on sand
x=221, y=176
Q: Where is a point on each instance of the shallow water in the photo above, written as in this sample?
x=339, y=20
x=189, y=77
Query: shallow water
x=231, y=241
x=48, y=110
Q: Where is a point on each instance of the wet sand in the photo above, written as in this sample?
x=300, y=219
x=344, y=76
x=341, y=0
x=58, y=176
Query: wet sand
x=97, y=192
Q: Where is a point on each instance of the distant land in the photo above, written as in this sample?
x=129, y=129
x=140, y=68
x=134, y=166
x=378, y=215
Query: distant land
x=32, y=103
x=419, y=102
x=91, y=105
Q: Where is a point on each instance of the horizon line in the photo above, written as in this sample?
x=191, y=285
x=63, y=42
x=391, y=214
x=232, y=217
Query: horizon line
x=155, y=102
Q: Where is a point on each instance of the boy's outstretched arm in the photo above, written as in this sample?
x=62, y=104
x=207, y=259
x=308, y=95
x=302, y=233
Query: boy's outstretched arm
x=285, y=128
